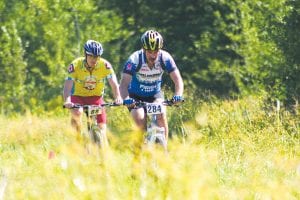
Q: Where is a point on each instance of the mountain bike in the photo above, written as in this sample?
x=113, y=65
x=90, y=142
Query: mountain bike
x=95, y=134
x=154, y=133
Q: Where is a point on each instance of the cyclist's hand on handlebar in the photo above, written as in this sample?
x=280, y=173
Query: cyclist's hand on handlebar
x=129, y=102
x=177, y=99
x=118, y=100
x=68, y=104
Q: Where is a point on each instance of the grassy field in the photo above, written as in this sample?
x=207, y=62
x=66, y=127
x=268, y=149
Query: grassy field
x=239, y=149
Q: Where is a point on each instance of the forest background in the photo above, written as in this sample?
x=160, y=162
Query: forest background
x=223, y=48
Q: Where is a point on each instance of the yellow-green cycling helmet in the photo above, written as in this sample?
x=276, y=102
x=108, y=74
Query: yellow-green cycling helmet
x=152, y=40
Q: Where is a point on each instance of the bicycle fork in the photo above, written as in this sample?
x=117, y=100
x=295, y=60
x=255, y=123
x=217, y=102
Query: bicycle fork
x=95, y=133
x=156, y=134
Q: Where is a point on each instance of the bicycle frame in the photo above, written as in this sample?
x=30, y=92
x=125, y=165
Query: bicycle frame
x=96, y=135
x=154, y=133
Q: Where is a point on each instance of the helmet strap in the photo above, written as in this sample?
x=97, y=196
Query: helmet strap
x=87, y=66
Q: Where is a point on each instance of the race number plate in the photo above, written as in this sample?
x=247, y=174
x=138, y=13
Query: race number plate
x=95, y=111
x=154, y=108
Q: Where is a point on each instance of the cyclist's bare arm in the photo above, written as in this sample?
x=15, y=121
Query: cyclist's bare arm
x=67, y=93
x=177, y=79
x=115, y=89
x=126, y=79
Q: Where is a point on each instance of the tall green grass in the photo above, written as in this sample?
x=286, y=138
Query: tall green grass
x=237, y=149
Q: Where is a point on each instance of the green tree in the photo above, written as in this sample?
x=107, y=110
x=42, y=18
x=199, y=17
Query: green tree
x=285, y=34
x=227, y=47
x=51, y=35
x=12, y=68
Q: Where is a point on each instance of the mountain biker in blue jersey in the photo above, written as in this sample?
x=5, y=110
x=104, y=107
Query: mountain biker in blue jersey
x=142, y=78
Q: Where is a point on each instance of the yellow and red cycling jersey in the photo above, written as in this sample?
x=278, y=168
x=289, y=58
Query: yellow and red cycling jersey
x=88, y=83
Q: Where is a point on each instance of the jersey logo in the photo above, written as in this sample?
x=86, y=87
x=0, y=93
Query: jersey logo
x=128, y=66
x=71, y=68
x=90, y=83
x=107, y=66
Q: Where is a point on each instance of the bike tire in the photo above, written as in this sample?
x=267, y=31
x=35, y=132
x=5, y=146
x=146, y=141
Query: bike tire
x=95, y=136
x=155, y=138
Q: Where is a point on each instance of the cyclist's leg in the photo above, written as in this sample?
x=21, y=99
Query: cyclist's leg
x=76, y=114
x=138, y=114
x=101, y=120
x=162, y=119
x=163, y=122
x=103, y=136
x=139, y=117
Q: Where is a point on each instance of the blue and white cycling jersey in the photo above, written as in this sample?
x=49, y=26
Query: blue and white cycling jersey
x=145, y=81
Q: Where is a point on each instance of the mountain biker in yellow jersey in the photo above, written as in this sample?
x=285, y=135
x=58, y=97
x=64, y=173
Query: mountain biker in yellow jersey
x=142, y=78
x=85, y=84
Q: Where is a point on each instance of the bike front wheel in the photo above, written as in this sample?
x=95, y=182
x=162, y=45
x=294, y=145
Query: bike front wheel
x=156, y=135
x=98, y=137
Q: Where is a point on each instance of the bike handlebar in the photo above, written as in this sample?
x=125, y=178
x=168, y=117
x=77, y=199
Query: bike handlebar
x=167, y=102
x=87, y=106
